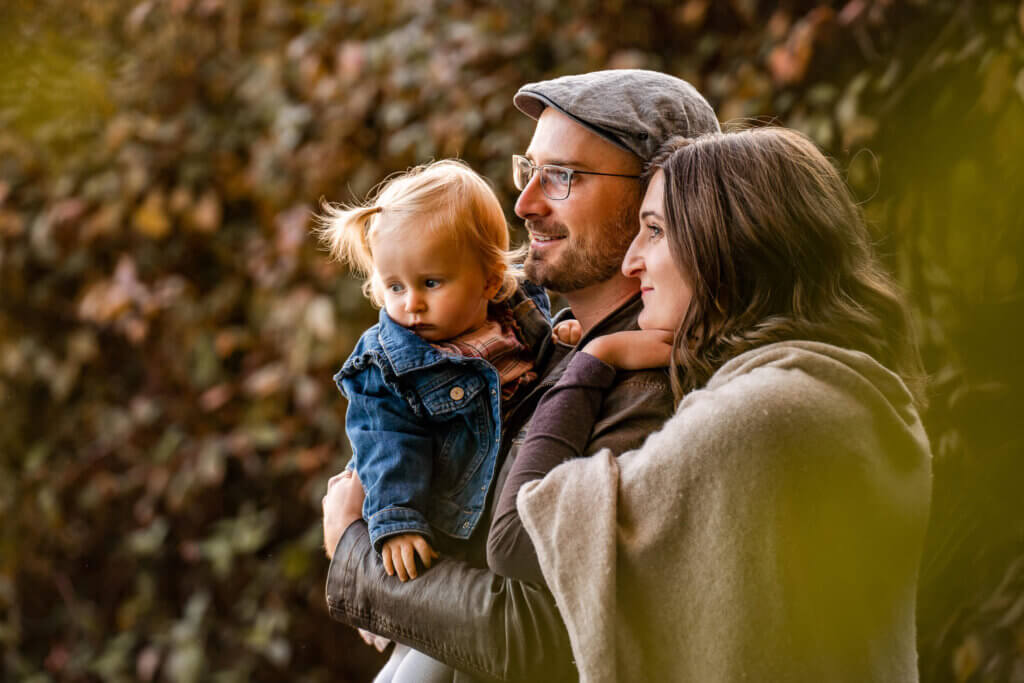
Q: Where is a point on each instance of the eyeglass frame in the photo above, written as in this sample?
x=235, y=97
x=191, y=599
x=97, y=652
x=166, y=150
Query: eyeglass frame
x=570, y=171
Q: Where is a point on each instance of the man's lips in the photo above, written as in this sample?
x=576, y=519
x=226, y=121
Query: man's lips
x=539, y=241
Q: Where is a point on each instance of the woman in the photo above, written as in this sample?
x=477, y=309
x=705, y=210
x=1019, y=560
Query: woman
x=772, y=529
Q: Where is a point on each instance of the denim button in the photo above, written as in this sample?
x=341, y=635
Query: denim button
x=457, y=393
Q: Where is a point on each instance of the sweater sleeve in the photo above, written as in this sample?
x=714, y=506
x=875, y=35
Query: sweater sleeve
x=559, y=430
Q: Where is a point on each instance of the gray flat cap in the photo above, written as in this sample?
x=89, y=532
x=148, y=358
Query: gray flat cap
x=638, y=110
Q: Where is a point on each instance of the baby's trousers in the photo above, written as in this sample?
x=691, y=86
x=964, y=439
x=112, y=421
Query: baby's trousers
x=407, y=665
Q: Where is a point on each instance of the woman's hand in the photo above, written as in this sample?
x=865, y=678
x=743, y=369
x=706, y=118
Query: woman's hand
x=342, y=505
x=633, y=349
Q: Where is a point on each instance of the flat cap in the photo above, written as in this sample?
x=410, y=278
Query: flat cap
x=636, y=109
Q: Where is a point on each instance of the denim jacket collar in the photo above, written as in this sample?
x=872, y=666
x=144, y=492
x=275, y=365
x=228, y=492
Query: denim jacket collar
x=407, y=352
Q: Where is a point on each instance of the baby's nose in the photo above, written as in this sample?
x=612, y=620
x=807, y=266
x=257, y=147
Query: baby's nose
x=414, y=303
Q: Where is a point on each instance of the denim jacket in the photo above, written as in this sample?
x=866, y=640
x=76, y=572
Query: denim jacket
x=425, y=426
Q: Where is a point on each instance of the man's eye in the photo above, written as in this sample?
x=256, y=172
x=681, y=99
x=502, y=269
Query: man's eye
x=559, y=176
x=432, y=283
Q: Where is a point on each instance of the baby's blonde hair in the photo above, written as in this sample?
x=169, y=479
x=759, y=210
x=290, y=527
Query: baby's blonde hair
x=443, y=197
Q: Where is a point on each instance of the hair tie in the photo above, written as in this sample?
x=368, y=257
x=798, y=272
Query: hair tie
x=375, y=210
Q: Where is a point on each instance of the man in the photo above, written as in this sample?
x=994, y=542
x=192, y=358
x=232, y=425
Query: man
x=580, y=197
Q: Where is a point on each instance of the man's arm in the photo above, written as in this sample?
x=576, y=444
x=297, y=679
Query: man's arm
x=494, y=628
x=498, y=629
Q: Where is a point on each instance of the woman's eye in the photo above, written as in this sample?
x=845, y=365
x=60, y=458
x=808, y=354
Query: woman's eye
x=654, y=231
x=432, y=284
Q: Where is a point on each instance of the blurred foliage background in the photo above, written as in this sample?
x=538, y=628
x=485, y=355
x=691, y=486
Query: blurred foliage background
x=169, y=327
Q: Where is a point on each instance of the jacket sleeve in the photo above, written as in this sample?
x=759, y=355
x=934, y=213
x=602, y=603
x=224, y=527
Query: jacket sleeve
x=493, y=628
x=393, y=455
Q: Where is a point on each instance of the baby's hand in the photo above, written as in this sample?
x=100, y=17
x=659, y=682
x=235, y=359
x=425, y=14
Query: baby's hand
x=568, y=332
x=399, y=555
x=633, y=349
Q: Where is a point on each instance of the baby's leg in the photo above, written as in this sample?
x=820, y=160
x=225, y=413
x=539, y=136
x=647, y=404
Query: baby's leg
x=417, y=667
x=387, y=674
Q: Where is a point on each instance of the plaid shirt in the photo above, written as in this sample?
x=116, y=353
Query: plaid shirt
x=496, y=342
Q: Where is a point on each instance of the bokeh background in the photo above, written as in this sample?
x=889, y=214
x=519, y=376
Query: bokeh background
x=169, y=327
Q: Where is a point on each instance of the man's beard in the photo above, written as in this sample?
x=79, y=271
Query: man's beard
x=584, y=263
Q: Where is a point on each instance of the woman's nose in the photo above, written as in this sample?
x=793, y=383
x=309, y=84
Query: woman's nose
x=532, y=201
x=632, y=262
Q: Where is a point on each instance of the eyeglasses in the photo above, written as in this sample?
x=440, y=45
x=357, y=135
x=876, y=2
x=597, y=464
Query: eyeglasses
x=555, y=181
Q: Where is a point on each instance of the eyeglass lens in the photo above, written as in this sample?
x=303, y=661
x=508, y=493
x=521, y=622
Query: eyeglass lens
x=554, y=180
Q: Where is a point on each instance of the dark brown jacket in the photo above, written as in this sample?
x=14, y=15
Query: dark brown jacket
x=488, y=627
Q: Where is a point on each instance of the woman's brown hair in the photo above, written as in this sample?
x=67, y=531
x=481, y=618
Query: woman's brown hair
x=775, y=249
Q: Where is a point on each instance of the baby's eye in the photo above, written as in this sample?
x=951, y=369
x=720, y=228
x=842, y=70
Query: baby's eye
x=395, y=287
x=432, y=283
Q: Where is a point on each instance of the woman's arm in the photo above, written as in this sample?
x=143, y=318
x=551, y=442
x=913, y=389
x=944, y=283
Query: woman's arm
x=559, y=431
x=493, y=627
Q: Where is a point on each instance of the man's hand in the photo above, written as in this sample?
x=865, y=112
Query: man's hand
x=633, y=349
x=399, y=555
x=342, y=505
x=568, y=332
x=379, y=643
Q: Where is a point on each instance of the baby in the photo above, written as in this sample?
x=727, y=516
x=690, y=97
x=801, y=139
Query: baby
x=457, y=337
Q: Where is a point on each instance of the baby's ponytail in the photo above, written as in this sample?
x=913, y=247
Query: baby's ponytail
x=345, y=231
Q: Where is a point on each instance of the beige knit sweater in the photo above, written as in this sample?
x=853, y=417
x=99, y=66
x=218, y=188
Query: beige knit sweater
x=771, y=531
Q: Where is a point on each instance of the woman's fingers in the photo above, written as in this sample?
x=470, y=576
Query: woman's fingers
x=633, y=349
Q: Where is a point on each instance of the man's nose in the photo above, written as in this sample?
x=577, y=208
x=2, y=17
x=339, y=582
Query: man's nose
x=532, y=201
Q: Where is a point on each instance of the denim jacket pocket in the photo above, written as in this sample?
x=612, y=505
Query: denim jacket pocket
x=452, y=394
x=463, y=448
